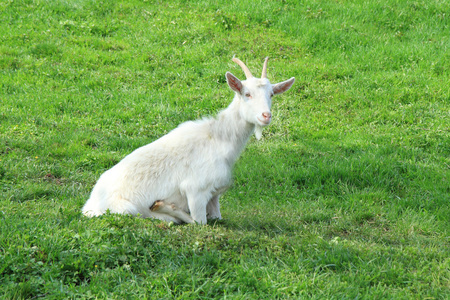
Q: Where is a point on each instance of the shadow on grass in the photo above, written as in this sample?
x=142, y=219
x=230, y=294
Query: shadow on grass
x=272, y=225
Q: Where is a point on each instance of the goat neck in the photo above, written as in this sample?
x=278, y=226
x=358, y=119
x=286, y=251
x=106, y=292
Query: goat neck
x=232, y=130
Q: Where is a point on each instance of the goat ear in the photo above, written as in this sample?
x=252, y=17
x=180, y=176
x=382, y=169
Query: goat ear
x=233, y=82
x=282, y=87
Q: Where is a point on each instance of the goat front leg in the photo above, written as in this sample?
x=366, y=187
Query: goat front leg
x=213, y=208
x=197, y=206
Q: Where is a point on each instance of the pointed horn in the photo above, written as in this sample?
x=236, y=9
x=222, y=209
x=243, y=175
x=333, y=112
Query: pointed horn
x=264, y=71
x=247, y=72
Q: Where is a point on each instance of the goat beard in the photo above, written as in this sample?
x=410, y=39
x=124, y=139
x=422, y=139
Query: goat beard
x=258, y=132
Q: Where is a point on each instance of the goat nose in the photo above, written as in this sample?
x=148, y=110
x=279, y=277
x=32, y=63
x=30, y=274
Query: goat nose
x=267, y=115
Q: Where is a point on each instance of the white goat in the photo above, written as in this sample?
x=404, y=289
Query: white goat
x=181, y=176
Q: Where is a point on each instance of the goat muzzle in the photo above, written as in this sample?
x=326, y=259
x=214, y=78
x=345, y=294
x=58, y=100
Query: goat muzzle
x=265, y=118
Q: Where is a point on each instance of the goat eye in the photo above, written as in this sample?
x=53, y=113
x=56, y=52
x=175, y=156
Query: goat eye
x=248, y=95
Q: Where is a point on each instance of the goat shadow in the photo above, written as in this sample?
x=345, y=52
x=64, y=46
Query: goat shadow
x=269, y=228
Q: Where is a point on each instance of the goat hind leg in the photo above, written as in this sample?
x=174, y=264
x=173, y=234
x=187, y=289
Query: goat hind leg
x=171, y=210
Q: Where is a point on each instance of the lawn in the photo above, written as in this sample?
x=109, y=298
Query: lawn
x=346, y=196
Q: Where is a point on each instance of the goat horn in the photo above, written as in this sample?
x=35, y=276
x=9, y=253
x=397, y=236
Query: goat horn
x=264, y=71
x=247, y=72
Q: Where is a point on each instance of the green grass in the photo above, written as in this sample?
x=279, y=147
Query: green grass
x=347, y=196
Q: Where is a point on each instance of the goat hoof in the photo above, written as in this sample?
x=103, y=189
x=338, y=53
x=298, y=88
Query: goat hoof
x=157, y=205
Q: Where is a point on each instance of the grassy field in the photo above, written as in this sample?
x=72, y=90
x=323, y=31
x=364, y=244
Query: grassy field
x=346, y=196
